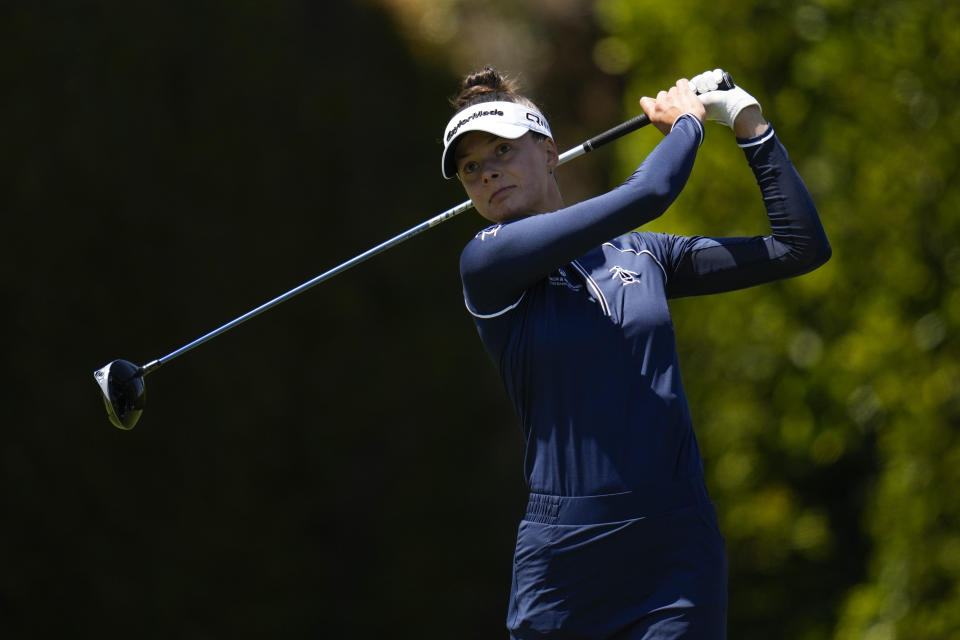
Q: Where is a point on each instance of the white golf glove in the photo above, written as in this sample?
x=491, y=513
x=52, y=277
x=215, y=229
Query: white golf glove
x=722, y=106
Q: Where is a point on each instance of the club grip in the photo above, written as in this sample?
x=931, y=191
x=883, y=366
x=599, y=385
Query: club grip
x=727, y=83
x=621, y=129
x=639, y=121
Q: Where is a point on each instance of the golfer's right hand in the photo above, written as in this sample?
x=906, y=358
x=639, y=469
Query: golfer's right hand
x=670, y=105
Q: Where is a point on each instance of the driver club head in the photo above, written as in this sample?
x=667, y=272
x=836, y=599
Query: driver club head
x=124, y=392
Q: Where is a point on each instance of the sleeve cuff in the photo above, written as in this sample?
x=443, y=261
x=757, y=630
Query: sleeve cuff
x=697, y=124
x=743, y=143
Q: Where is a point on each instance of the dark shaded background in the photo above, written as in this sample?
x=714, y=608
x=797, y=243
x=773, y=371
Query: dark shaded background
x=345, y=465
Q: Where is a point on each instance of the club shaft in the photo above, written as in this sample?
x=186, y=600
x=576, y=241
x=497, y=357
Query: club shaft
x=610, y=135
x=607, y=136
x=352, y=262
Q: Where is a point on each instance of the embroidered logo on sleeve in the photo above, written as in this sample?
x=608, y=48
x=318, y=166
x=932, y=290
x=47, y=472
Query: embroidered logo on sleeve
x=492, y=232
x=626, y=276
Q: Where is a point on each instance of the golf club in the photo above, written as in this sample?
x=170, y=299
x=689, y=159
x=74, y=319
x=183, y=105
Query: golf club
x=121, y=381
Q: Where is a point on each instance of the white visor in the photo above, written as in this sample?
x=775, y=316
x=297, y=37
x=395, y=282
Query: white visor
x=505, y=119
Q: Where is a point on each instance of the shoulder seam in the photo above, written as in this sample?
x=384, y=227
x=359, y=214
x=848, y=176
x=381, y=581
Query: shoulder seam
x=666, y=279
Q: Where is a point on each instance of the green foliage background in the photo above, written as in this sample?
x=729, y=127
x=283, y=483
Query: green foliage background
x=827, y=406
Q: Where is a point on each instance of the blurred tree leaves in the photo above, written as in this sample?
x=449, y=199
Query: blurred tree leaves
x=828, y=406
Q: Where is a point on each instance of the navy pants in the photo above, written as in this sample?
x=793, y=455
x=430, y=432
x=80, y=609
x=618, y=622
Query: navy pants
x=582, y=571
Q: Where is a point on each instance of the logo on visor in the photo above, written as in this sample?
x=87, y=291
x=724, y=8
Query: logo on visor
x=473, y=116
x=532, y=117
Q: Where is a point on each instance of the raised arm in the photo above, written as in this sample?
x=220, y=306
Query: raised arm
x=501, y=262
x=797, y=242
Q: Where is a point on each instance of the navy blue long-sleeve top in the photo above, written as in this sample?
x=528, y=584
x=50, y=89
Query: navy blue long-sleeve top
x=572, y=307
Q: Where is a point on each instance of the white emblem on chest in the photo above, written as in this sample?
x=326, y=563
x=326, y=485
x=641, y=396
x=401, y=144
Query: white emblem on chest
x=626, y=276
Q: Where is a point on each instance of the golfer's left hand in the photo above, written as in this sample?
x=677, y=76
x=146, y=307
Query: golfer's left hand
x=726, y=106
x=670, y=105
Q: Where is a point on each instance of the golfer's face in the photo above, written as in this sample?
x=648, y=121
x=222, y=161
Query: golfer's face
x=506, y=179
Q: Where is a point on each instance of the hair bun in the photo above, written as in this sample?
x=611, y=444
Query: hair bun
x=486, y=81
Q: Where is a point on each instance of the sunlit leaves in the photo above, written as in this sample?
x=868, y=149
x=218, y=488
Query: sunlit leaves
x=855, y=362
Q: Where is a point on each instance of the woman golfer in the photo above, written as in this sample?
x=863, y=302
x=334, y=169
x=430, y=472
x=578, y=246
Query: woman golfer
x=620, y=539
